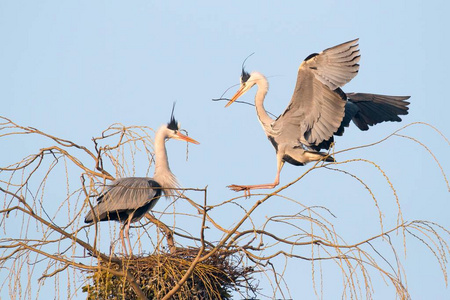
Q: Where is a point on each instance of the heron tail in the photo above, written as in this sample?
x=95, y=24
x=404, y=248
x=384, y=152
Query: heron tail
x=317, y=156
x=329, y=158
x=89, y=218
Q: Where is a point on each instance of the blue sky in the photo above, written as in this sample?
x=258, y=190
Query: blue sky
x=73, y=68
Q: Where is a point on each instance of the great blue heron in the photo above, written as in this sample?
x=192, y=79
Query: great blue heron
x=128, y=199
x=319, y=109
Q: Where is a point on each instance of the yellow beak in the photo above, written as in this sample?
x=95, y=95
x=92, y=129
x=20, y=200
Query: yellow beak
x=182, y=137
x=239, y=93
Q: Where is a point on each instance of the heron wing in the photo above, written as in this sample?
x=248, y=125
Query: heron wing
x=374, y=109
x=126, y=194
x=317, y=106
x=367, y=110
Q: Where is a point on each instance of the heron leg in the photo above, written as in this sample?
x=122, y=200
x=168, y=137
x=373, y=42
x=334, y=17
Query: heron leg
x=122, y=239
x=247, y=188
x=127, y=231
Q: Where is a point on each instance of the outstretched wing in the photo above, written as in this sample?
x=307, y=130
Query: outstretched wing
x=125, y=195
x=317, y=106
x=373, y=109
x=367, y=110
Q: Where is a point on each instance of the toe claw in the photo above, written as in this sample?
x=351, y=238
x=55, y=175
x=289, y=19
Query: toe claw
x=240, y=188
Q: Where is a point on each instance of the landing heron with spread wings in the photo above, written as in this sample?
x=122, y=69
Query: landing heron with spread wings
x=319, y=109
x=128, y=199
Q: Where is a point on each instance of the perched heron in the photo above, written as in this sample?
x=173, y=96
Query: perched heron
x=128, y=199
x=319, y=109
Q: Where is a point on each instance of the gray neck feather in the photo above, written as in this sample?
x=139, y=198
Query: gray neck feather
x=162, y=174
x=263, y=87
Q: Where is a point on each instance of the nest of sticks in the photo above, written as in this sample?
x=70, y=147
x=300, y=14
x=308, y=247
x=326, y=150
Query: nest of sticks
x=156, y=274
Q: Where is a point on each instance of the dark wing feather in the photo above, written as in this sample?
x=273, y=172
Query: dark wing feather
x=124, y=196
x=367, y=110
x=351, y=110
x=374, y=109
x=317, y=108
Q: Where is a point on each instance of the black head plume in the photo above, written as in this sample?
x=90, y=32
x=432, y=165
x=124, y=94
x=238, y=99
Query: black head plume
x=245, y=76
x=173, y=124
x=311, y=56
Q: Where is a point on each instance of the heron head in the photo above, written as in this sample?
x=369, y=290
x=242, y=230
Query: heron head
x=173, y=131
x=247, y=82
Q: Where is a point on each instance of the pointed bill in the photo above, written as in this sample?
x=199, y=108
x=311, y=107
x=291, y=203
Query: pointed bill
x=182, y=137
x=239, y=93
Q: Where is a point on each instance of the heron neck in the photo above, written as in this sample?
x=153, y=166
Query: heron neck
x=162, y=174
x=263, y=87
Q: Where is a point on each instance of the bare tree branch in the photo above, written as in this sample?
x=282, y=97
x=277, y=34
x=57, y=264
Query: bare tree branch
x=52, y=243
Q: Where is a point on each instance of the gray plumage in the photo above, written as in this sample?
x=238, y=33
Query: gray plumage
x=373, y=109
x=366, y=110
x=316, y=111
x=125, y=197
x=128, y=199
x=319, y=109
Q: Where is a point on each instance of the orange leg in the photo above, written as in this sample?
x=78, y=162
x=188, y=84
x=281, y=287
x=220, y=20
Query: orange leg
x=123, y=240
x=125, y=233
x=247, y=188
x=127, y=230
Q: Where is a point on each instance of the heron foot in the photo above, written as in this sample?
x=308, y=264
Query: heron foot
x=240, y=188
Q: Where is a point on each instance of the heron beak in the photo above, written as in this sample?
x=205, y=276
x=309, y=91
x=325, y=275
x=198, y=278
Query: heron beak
x=182, y=137
x=239, y=93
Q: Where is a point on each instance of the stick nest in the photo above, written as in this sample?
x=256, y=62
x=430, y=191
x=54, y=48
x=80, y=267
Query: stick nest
x=157, y=274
